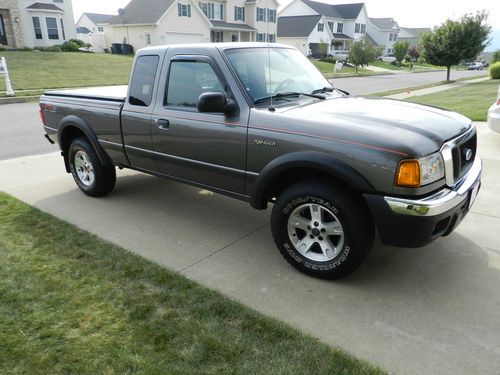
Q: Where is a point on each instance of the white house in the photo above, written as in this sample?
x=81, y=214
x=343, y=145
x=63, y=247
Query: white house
x=383, y=32
x=337, y=24
x=90, y=29
x=412, y=34
x=155, y=22
x=41, y=23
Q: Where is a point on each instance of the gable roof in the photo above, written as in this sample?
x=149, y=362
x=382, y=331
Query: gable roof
x=414, y=31
x=297, y=26
x=98, y=17
x=370, y=39
x=42, y=6
x=142, y=12
x=387, y=23
x=344, y=11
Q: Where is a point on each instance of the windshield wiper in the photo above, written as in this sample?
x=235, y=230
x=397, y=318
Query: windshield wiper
x=323, y=90
x=282, y=95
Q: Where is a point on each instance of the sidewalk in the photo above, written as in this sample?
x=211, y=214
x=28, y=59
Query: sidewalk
x=432, y=90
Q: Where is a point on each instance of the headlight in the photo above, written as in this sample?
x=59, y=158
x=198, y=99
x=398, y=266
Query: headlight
x=419, y=172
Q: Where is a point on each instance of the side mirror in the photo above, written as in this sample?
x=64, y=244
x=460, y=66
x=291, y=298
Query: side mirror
x=216, y=102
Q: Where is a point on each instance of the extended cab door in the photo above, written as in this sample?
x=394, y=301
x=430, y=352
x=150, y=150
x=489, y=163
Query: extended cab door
x=204, y=148
x=136, y=114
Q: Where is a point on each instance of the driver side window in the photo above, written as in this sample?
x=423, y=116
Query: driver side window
x=188, y=80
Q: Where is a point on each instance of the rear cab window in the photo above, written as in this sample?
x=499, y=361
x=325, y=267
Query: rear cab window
x=143, y=79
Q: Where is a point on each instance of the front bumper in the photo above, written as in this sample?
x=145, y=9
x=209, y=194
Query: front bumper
x=417, y=222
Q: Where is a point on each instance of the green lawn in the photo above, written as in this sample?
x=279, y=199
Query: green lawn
x=71, y=303
x=326, y=69
x=40, y=70
x=472, y=100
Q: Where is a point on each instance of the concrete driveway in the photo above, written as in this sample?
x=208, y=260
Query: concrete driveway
x=411, y=311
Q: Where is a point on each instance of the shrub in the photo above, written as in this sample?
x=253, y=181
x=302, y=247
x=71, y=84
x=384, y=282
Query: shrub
x=330, y=60
x=70, y=46
x=27, y=49
x=49, y=49
x=496, y=56
x=495, y=70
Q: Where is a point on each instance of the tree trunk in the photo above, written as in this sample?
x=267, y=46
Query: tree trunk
x=448, y=71
x=356, y=69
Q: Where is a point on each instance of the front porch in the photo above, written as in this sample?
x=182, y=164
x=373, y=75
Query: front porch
x=231, y=32
x=340, y=43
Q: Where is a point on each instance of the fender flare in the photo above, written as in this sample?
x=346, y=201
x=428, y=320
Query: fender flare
x=306, y=159
x=76, y=122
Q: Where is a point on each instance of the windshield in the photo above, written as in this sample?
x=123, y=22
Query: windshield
x=266, y=72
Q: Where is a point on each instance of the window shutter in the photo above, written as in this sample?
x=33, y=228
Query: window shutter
x=179, y=9
x=221, y=12
x=189, y=10
x=243, y=10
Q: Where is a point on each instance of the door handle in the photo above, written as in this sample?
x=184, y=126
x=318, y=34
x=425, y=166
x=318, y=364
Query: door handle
x=163, y=124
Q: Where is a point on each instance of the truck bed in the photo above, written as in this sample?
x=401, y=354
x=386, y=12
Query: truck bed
x=106, y=93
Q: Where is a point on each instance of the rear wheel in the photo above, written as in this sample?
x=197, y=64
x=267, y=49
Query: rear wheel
x=322, y=230
x=90, y=175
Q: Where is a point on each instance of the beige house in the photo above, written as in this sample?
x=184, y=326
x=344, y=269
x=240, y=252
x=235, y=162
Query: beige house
x=90, y=29
x=157, y=22
x=41, y=23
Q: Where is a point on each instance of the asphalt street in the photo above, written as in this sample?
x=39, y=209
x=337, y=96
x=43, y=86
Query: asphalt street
x=371, y=84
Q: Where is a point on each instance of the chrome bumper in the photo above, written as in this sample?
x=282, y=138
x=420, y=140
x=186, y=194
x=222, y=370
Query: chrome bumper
x=442, y=201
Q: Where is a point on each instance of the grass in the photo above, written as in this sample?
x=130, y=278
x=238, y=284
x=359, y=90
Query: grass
x=72, y=303
x=416, y=66
x=41, y=70
x=326, y=69
x=472, y=100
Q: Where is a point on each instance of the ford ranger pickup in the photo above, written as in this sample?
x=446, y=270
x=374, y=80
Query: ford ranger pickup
x=259, y=123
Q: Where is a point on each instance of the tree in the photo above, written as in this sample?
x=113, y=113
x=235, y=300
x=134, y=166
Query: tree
x=400, y=49
x=362, y=53
x=413, y=55
x=496, y=56
x=455, y=41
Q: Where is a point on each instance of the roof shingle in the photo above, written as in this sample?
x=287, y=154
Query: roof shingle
x=297, y=26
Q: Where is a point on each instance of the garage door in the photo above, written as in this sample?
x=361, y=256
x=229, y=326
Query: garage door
x=181, y=38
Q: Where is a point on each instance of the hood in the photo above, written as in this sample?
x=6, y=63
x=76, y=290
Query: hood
x=415, y=129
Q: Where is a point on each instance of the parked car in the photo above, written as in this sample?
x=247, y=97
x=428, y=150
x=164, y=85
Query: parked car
x=494, y=115
x=336, y=169
x=339, y=55
x=485, y=63
x=475, y=66
x=389, y=57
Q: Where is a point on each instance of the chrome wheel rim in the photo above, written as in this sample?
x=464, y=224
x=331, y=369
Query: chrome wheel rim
x=84, y=168
x=316, y=232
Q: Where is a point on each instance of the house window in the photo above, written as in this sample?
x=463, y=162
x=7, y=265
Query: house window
x=340, y=28
x=62, y=29
x=212, y=11
x=38, y=28
x=147, y=38
x=188, y=80
x=271, y=15
x=271, y=38
x=321, y=27
x=184, y=10
x=52, y=30
x=357, y=28
x=363, y=29
x=261, y=15
x=3, y=34
x=239, y=14
x=100, y=29
x=217, y=36
x=261, y=37
x=330, y=25
x=143, y=80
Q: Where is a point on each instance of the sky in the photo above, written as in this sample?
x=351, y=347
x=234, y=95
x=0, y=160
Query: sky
x=421, y=13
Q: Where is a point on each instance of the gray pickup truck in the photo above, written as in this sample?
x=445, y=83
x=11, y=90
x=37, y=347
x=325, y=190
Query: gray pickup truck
x=259, y=123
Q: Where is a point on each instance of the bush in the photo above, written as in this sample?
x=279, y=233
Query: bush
x=495, y=70
x=27, y=49
x=2, y=49
x=330, y=60
x=70, y=46
x=496, y=56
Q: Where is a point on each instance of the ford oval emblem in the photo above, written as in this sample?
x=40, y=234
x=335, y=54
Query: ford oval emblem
x=468, y=154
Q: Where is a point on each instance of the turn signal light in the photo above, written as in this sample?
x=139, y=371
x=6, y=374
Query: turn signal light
x=498, y=101
x=408, y=174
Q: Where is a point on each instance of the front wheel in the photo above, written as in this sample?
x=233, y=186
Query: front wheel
x=322, y=230
x=93, y=178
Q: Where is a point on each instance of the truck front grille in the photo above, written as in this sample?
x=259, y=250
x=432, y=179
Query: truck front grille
x=459, y=155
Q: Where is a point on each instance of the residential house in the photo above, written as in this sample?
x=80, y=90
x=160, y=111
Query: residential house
x=383, y=32
x=156, y=22
x=90, y=29
x=337, y=25
x=412, y=35
x=42, y=23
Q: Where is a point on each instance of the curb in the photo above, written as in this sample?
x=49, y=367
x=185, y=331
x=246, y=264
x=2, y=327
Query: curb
x=20, y=99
